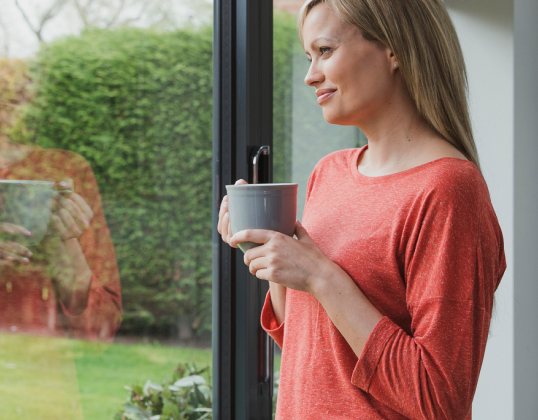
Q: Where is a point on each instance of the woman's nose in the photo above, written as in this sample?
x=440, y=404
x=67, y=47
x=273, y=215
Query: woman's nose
x=314, y=75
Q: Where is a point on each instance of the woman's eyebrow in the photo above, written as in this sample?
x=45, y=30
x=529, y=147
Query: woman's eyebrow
x=321, y=38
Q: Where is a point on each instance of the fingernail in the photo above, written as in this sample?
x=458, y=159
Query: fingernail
x=27, y=233
x=63, y=183
x=26, y=260
x=9, y=258
x=29, y=253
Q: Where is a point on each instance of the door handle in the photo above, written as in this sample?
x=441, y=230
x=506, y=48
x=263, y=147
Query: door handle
x=266, y=375
x=262, y=151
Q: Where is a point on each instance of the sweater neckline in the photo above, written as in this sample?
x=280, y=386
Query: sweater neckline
x=363, y=179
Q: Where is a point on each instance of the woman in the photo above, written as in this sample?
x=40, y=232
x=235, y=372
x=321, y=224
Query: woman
x=382, y=304
x=67, y=285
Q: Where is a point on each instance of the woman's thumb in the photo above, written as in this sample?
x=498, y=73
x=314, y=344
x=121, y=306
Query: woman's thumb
x=301, y=232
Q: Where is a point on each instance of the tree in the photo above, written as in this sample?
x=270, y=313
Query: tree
x=43, y=17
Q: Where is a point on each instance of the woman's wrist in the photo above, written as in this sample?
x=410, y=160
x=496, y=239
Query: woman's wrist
x=328, y=274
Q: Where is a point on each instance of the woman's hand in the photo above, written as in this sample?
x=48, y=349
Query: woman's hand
x=12, y=252
x=295, y=263
x=224, y=227
x=71, y=214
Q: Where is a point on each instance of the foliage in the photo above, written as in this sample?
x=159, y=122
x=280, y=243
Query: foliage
x=186, y=396
x=15, y=91
x=284, y=38
x=137, y=104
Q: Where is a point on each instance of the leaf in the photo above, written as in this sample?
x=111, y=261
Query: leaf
x=133, y=412
x=151, y=385
x=189, y=381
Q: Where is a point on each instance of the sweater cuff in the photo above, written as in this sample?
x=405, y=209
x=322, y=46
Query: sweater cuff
x=269, y=322
x=364, y=371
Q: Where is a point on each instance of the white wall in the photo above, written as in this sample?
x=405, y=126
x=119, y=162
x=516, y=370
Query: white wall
x=499, y=39
x=526, y=208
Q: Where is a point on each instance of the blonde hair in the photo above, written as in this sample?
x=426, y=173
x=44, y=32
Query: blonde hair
x=422, y=37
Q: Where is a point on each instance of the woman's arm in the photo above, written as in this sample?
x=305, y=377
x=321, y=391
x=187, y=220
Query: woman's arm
x=299, y=264
x=450, y=278
x=70, y=272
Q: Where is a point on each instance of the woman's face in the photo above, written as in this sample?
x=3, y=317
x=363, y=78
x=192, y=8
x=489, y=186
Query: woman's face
x=353, y=77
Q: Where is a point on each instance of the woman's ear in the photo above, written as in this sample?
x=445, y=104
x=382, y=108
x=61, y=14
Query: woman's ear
x=392, y=59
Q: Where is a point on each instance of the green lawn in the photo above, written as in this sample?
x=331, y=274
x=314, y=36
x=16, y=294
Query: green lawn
x=44, y=378
x=53, y=378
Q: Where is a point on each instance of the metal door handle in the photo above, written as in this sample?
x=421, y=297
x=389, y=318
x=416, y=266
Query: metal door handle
x=263, y=150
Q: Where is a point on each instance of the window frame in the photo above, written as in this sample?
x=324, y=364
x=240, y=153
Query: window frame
x=242, y=123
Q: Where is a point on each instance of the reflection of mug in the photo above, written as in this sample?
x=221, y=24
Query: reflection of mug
x=262, y=206
x=27, y=204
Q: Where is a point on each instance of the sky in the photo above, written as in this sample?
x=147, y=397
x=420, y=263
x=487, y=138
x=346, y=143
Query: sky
x=17, y=40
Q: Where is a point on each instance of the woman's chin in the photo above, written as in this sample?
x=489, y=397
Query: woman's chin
x=336, y=118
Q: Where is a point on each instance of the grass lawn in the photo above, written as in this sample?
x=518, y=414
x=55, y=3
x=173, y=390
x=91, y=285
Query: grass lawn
x=46, y=378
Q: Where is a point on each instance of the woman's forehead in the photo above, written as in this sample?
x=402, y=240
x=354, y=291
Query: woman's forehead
x=321, y=24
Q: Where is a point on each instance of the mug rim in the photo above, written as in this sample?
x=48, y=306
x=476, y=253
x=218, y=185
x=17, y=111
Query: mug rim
x=264, y=185
x=25, y=181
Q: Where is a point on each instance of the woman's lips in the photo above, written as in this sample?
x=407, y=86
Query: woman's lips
x=324, y=94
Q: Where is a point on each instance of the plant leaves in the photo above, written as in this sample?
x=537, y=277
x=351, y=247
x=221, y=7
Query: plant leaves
x=189, y=381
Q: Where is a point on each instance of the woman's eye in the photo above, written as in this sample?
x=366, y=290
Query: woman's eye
x=325, y=50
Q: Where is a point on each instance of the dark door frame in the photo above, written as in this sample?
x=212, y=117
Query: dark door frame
x=242, y=122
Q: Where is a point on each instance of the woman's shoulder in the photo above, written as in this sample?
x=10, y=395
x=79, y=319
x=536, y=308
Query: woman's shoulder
x=57, y=156
x=336, y=160
x=455, y=184
x=453, y=176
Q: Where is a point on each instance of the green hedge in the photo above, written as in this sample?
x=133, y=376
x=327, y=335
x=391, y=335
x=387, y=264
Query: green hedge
x=137, y=104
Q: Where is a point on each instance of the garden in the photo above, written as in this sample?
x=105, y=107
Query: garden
x=137, y=105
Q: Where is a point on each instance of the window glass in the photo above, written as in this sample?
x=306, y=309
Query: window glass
x=301, y=135
x=105, y=207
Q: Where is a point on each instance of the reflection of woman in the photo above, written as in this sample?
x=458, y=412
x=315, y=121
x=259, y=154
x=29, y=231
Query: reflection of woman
x=69, y=284
x=382, y=304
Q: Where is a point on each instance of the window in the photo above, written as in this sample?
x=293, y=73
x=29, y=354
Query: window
x=106, y=159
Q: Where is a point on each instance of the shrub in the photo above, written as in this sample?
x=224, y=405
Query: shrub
x=137, y=104
x=183, y=397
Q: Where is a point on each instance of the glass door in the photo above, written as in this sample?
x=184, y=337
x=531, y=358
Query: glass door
x=105, y=208
x=301, y=135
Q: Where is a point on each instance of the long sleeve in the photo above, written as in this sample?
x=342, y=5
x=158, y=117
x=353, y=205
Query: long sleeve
x=103, y=314
x=269, y=322
x=454, y=262
x=425, y=248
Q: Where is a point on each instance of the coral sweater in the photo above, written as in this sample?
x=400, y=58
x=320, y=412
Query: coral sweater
x=425, y=247
x=28, y=303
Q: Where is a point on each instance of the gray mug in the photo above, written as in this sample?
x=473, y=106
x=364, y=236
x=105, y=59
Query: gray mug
x=262, y=206
x=27, y=203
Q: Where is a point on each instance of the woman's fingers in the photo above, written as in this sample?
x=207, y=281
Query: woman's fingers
x=13, y=252
x=82, y=206
x=66, y=184
x=10, y=251
x=222, y=211
x=78, y=214
x=72, y=229
x=12, y=229
x=224, y=227
x=259, y=236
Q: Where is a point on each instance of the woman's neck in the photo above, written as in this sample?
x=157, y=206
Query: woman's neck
x=400, y=139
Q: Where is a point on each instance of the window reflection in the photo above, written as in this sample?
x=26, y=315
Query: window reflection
x=106, y=115
x=58, y=270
